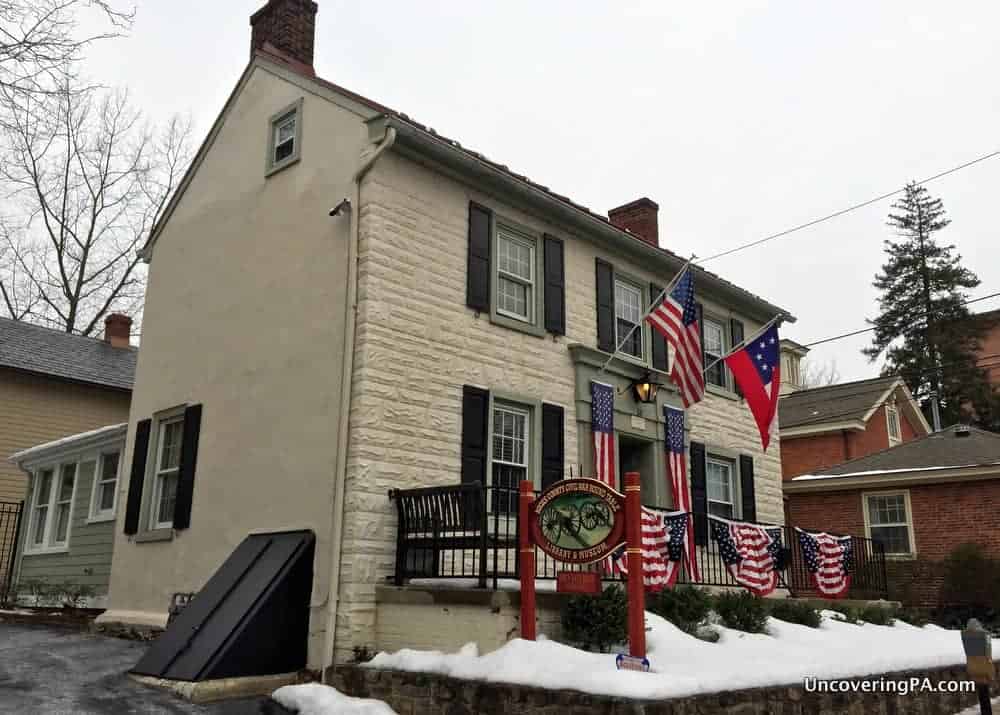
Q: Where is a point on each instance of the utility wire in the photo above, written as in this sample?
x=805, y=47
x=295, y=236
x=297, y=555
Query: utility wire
x=855, y=207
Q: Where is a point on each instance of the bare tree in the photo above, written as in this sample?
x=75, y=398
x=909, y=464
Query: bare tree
x=41, y=42
x=815, y=374
x=84, y=179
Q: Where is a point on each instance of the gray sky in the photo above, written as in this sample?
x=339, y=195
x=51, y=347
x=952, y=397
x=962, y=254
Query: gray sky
x=739, y=121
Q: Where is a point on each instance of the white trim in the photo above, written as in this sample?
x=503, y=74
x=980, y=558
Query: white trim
x=640, y=329
x=734, y=486
x=526, y=411
x=820, y=428
x=48, y=545
x=162, y=422
x=530, y=284
x=60, y=449
x=914, y=476
x=891, y=410
x=905, y=493
x=885, y=396
x=95, y=516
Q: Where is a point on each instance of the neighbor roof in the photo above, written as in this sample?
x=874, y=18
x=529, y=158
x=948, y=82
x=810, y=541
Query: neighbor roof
x=54, y=353
x=846, y=402
x=83, y=439
x=947, y=449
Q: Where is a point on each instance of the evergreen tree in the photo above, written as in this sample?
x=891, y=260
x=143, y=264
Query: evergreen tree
x=924, y=329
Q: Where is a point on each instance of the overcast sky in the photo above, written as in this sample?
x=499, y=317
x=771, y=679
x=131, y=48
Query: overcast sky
x=739, y=119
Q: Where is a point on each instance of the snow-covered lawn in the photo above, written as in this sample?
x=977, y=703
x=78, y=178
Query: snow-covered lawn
x=683, y=665
x=316, y=699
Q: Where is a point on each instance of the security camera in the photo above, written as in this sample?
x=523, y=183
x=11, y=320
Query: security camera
x=344, y=205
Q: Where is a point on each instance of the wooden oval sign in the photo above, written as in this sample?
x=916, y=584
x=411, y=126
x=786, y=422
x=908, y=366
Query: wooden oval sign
x=578, y=521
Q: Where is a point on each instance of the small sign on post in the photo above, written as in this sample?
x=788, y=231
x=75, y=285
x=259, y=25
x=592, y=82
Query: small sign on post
x=979, y=662
x=588, y=582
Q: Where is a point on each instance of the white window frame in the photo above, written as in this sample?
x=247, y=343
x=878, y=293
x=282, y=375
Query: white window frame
x=523, y=411
x=734, y=484
x=96, y=514
x=49, y=545
x=531, y=283
x=713, y=357
x=157, y=473
x=279, y=119
x=892, y=418
x=633, y=286
x=905, y=493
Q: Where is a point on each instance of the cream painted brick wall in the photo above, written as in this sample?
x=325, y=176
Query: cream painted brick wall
x=418, y=344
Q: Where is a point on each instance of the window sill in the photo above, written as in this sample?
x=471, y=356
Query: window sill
x=722, y=392
x=515, y=324
x=275, y=168
x=155, y=535
x=900, y=557
x=46, y=552
x=100, y=519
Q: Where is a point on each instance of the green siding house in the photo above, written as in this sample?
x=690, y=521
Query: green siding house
x=67, y=530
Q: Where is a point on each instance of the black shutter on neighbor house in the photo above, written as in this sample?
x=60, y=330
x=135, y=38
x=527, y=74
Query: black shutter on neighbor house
x=552, y=445
x=748, y=497
x=139, y=449
x=555, y=286
x=736, y=328
x=477, y=294
x=475, y=420
x=699, y=493
x=605, y=306
x=189, y=460
x=659, y=342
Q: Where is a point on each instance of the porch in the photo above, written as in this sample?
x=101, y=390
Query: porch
x=468, y=533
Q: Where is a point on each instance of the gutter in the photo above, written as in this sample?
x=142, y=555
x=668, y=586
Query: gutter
x=346, y=395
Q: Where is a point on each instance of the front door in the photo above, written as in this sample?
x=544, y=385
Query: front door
x=638, y=455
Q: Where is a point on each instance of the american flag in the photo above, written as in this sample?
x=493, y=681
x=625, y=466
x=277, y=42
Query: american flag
x=677, y=318
x=664, y=536
x=677, y=467
x=752, y=553
x=757, y=370
x=602, y=420
x=830, y=560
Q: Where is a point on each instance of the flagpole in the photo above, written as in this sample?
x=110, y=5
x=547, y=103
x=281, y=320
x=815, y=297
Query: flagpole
x=744, y=342
x=652, y=306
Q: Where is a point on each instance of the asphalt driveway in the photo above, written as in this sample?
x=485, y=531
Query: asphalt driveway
x=50, y=670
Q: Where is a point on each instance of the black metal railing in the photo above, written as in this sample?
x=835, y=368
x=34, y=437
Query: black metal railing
x=10, y=529
x=470, y=532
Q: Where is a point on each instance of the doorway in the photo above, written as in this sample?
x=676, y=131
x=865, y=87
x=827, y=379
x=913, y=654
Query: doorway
x=638, y=455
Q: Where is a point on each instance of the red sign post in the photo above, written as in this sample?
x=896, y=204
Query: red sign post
x=527, y=561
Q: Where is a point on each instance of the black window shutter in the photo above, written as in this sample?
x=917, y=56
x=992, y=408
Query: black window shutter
x=736, y=328
x=605, y=306
x=700, y=311
x=748, y=497
x=659, y=341
x=699, y=493
x=475, y=420
x=552, y=445
x=189, y=460
x=477, y=293
x=555, y=286
x=138, y=476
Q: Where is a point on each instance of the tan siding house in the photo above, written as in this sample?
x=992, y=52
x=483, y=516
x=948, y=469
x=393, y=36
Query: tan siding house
x=330, y=353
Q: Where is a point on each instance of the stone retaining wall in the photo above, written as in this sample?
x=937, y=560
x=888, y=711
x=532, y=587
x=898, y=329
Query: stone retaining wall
x=427, y=694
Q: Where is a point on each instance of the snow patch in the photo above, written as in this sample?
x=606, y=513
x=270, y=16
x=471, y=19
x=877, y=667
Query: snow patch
x=316, y=699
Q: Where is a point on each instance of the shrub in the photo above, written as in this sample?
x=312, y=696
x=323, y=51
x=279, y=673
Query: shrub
x=685, y=606
x=794, y=611
x=74, y=594
x=914, y=616
x=741, y=611
x=597, y=621
x=878, y=615
x=971, y=578
x=849, y=614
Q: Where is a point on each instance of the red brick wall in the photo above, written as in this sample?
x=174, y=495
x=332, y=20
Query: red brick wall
x=802, y=455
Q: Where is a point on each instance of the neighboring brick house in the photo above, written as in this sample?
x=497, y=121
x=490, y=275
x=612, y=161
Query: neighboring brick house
x=441, y=324
x=825, y=426
x=52, y=385
x=921, y=499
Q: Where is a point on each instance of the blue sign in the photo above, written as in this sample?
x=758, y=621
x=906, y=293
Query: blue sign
x=631, y=662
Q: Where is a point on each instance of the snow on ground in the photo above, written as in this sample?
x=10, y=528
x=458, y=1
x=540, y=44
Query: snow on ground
x=975, y=709
x=683, y=665
x=316, y=699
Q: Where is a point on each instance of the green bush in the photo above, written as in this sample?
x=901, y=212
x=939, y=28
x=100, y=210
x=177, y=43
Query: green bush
x=794, y=611
x=741, y=611
x=914, y=616
x=849, y=614
x=685, y=606
x=971, y=578
x=597, y=621
x=878, y=615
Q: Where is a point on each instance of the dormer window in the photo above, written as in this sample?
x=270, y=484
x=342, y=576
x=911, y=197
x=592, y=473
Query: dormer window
x=285, y=140
x=892, y=416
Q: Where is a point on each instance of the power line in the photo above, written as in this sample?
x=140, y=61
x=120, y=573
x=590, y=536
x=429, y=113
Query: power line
x=855, y=207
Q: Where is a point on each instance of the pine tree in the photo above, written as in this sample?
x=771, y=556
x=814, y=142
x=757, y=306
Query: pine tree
x=924, y=329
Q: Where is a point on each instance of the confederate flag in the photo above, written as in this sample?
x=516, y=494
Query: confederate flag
x=757, y=370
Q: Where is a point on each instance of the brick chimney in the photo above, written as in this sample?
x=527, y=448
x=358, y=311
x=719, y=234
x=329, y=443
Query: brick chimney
x=118, y=330
x=289, y=25
x=639, y=218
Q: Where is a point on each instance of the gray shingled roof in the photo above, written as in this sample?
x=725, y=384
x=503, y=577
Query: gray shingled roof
x=71, y=357
x=947, y=448
x=846, y=402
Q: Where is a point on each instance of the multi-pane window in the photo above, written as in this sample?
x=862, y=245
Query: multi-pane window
x=888, y=522
x=511, y=427
x=515, y=276
x=168, y=461
x=52, y=507
x=105, y=485
x=720, y=482
x=284, y=137
x=629, y=310
x=284, y=145
x=714, y=348
x=892, y=415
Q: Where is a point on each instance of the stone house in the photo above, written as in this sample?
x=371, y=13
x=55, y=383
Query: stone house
x=921, y=499
x=440, y=324
x=52, y=385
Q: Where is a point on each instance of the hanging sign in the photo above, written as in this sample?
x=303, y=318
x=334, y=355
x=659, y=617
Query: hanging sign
x=579, y=521
x=578, y=582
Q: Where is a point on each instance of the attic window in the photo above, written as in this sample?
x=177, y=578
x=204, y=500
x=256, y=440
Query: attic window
x=285, y=138
x=892, y=416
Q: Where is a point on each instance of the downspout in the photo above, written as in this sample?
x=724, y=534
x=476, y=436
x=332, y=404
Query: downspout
x=346, y=394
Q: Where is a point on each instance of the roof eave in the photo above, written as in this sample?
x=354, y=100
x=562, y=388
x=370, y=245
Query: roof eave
x=892, y=480
x=32, y=457
x=821, y=428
